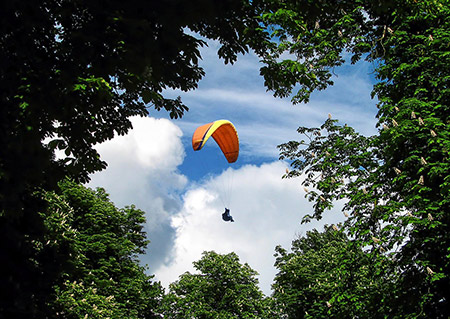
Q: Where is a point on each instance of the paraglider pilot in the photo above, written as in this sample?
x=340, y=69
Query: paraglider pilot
x=226, y=216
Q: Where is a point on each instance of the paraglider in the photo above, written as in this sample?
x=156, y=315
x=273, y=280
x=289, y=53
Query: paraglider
x=226, y=216
x=226, y=137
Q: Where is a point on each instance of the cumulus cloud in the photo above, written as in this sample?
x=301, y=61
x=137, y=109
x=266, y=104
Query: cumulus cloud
x=184, y=217
x=267, y=211
x=142, y=170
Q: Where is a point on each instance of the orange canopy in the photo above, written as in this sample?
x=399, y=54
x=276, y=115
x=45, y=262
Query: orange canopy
x=225, y=135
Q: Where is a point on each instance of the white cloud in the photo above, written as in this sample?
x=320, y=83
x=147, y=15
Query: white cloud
x=142, y=170
x=267, y=211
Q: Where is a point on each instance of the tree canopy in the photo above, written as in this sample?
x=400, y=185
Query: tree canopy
x=222, y=288
x=327, y=275
x=73, y=72
x=85, y=263
x=396, y=182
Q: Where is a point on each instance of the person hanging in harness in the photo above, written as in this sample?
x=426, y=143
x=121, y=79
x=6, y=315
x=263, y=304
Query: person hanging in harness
x=226, y=216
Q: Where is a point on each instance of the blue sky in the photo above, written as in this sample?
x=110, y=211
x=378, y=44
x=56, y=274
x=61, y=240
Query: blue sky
x=184, y=192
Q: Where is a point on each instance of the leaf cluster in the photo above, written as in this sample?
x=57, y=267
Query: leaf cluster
x=222, y=288
x=73, y=72
x=80, y=260
x=326, y=275
x=395, y=183
x=105, y=279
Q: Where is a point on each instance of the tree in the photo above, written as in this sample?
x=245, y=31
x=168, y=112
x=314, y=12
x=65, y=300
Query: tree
x=86, y=263
x=73, y=72
x=326, y=275
x=35, y=251
x=106, y=263
x=223, y=288
x=397, y=182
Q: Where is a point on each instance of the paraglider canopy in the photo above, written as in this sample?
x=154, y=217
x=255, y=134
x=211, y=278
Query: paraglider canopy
x=225, y=135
